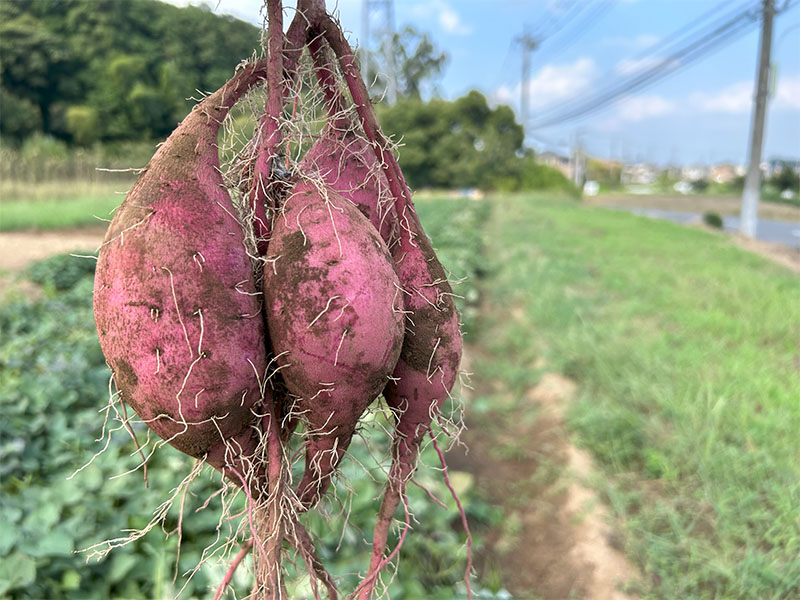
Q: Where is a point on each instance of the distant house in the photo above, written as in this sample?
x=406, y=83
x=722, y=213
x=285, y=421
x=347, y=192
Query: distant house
x=641, y=173
x=694, y=173
x=556, y=161
x=722, y=173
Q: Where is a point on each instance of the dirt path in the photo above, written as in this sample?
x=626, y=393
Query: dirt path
x=777, y=253
x=20, y=248
x=554, y=542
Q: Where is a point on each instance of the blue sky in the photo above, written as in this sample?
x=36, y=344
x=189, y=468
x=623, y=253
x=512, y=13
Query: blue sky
x=700, y=114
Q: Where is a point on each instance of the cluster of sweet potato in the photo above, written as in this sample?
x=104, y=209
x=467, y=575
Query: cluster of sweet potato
x=348, y=301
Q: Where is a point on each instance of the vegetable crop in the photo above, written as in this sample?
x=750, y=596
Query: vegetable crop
x=249, y=319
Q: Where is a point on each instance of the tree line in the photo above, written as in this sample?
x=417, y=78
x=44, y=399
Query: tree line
x=105, y=70
x=89, y=73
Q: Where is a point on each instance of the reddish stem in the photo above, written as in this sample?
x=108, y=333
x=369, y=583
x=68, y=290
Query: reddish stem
x=269, y=572
x=275, y=90
x=365, y=589
x=326, y=77
x=269, y=126
x=232, y=568
x=463, y=516
x=369, y=121
x=403, y=461
x=307, y=550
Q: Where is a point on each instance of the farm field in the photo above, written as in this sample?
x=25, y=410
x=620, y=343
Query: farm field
x=629, y=377
x=682, y=350
x=57, y=204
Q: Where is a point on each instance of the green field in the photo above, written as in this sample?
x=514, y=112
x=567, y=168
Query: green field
x=684, y=349
x=55, y=205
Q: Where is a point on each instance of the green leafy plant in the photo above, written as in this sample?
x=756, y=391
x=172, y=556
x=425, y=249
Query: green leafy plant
x=61, y=272
x=54, y=380
x=713, y=220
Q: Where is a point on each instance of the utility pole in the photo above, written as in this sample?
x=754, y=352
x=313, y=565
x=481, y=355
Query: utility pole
x=385, y=34
x=365, y=43
x=528, y=44
x=389, y=54
x=752, y=182
x=578, y=163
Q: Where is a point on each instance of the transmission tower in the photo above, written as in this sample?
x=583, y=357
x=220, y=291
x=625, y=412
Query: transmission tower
x=527, y=44
x=377, y=26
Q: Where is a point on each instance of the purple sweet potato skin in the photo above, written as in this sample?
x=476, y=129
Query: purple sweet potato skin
x=428, y=364
x=346, y=163
x=326, y=255
x=175, y=305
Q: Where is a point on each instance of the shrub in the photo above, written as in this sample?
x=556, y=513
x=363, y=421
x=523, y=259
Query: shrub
x=83, y=123
x=712, y=219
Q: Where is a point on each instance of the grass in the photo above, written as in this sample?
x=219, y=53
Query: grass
x=685, y=352
x=54, y=205
x=684, y=349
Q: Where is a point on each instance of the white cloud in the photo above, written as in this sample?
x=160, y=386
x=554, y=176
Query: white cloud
x=441, y=10
x=737, y=98
x=450, y=20
x=504, y=95
x=633, y=66
x=638, y=108
x=636, y=42
x=552, y=84
x=733, y=99
x=787, y=95
x=633, y=109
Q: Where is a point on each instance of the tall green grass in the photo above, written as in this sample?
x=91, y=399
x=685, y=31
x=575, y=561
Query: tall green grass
x=55, y=205
x=46, y=185
x=685, y=352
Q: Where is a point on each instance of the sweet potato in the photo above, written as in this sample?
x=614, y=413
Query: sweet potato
x=343, y=159
x=426, y=370
x=175, y=304
x=424, y=375
x=335, y=319
x=346, y=163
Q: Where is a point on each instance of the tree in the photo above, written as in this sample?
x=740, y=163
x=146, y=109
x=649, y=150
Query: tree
x=786, y=178
x=418, y=63
x=19, y=117
x=464, y=143
x=132, y=63
x=36, y=67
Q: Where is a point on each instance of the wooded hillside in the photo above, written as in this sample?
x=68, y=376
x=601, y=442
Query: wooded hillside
x=106, y=70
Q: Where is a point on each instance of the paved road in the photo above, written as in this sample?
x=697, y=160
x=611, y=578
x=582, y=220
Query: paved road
x=779, y=232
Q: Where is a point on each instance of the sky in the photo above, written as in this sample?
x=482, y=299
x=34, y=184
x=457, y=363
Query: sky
x=700, y=114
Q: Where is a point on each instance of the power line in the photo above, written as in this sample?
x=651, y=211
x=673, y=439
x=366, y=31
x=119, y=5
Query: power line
x=673, y=39
x=552, y=22
x=654, y=57
x=591, y=18
x=681, y=58
x=573, y=10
